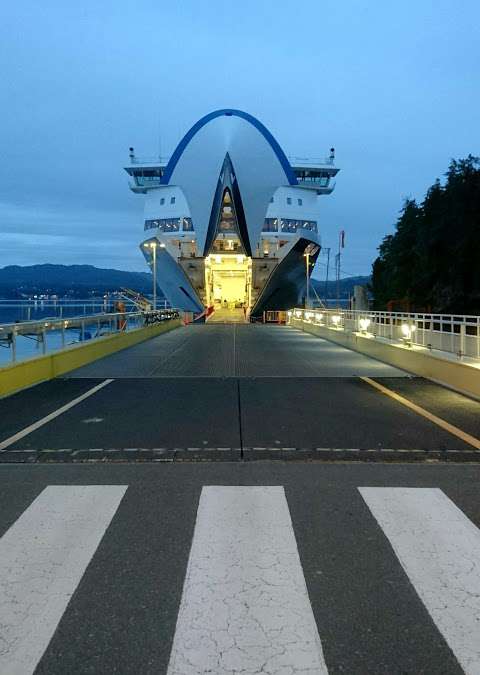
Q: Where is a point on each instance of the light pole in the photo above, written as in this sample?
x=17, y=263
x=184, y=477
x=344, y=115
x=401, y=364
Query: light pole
x=154, y=248
x=153, y=245
x=307, y=272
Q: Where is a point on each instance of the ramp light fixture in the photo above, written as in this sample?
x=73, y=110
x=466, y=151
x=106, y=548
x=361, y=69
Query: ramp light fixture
x=407, y=332
x=336, y=318
x=364, y=324
x=408, y=329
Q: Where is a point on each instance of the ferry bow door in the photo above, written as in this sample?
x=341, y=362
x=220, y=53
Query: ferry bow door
x=228, y=268
x=228, y=284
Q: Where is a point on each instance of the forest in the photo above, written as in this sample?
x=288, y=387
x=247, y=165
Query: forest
x=432, y=261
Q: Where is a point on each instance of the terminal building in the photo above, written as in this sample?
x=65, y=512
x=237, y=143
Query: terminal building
x=230, y=223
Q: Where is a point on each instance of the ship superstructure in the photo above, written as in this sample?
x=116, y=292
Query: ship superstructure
x=230, y=217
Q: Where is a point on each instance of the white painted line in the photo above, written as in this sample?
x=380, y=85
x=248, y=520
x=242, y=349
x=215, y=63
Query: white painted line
x=439, y=549
x=245, y=606
x=48, y=418
x=42, y=558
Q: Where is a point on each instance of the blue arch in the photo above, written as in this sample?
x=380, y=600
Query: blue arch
x=282, y=158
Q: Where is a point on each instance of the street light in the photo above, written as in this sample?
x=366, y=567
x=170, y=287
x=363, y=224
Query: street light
x=153, y=245
x=307, y=270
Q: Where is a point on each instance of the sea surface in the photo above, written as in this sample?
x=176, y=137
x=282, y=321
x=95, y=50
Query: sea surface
x=30, y=346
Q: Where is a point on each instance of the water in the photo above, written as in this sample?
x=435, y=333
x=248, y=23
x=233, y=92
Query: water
x=18, y=311
x=12, y=311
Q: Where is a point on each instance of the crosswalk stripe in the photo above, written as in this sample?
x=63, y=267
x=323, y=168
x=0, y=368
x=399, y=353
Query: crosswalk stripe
x=245, y=605
x=439, y=549
x=42, y=558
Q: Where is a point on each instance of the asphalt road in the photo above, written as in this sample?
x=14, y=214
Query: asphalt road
x=236, y=350
x=105, y=595
x=231, y=392
x=122, y=616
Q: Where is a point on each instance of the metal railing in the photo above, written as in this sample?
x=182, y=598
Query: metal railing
x=152, y=160
x=36, y=309
x=311, y=161
x=56, y=334
x=457, y=334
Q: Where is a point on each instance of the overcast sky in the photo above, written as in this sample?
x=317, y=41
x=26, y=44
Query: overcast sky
x=394, y=86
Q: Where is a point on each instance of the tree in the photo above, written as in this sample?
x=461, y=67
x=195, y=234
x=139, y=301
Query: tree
x=431, y=261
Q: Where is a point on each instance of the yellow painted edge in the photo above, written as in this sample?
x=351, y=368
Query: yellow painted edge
x=23, y=374
x=455, y=431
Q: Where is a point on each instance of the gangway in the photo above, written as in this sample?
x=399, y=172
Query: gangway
x=139, y=300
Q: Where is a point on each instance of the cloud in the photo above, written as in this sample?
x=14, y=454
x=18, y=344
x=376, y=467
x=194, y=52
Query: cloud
x=30, y=235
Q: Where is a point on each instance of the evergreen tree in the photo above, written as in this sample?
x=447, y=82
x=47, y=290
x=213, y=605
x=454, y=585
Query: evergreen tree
x=431, y=261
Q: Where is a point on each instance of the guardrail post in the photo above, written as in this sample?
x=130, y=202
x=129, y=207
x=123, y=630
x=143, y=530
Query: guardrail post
x=478, y=338
x=44, y=341
x=462, y=340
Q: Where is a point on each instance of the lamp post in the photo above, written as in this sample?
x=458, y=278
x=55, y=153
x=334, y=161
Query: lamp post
x=154, y=248
x=307, y=272
x=153, y=245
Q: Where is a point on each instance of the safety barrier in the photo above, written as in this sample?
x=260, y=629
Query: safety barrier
x=21, y=374
x=444, y=348
x=451, y=333
x=52, y=334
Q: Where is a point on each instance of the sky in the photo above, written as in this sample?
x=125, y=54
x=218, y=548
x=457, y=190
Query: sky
x=393, y=86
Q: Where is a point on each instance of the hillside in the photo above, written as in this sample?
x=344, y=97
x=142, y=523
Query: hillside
x=84, y=280
x=346, y=286
x=71, y=280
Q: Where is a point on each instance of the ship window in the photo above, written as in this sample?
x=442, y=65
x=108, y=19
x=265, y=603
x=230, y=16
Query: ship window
x=289, y=200
x=172, y=200
x=271, y=200
x=162, y=201
x=290, y=226
x=164, y=224
x=300, y=202
x=147, y=177
x=227, y=225
x=187, y=225
x=270, y=225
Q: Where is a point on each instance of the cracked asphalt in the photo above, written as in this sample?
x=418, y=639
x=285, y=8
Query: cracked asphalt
x=240, y=395
x=122, y=616
x=248, y=388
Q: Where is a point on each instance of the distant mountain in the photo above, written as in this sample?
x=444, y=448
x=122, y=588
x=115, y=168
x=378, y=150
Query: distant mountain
x=71, y=280
x=345, y=286
x=81, y=281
